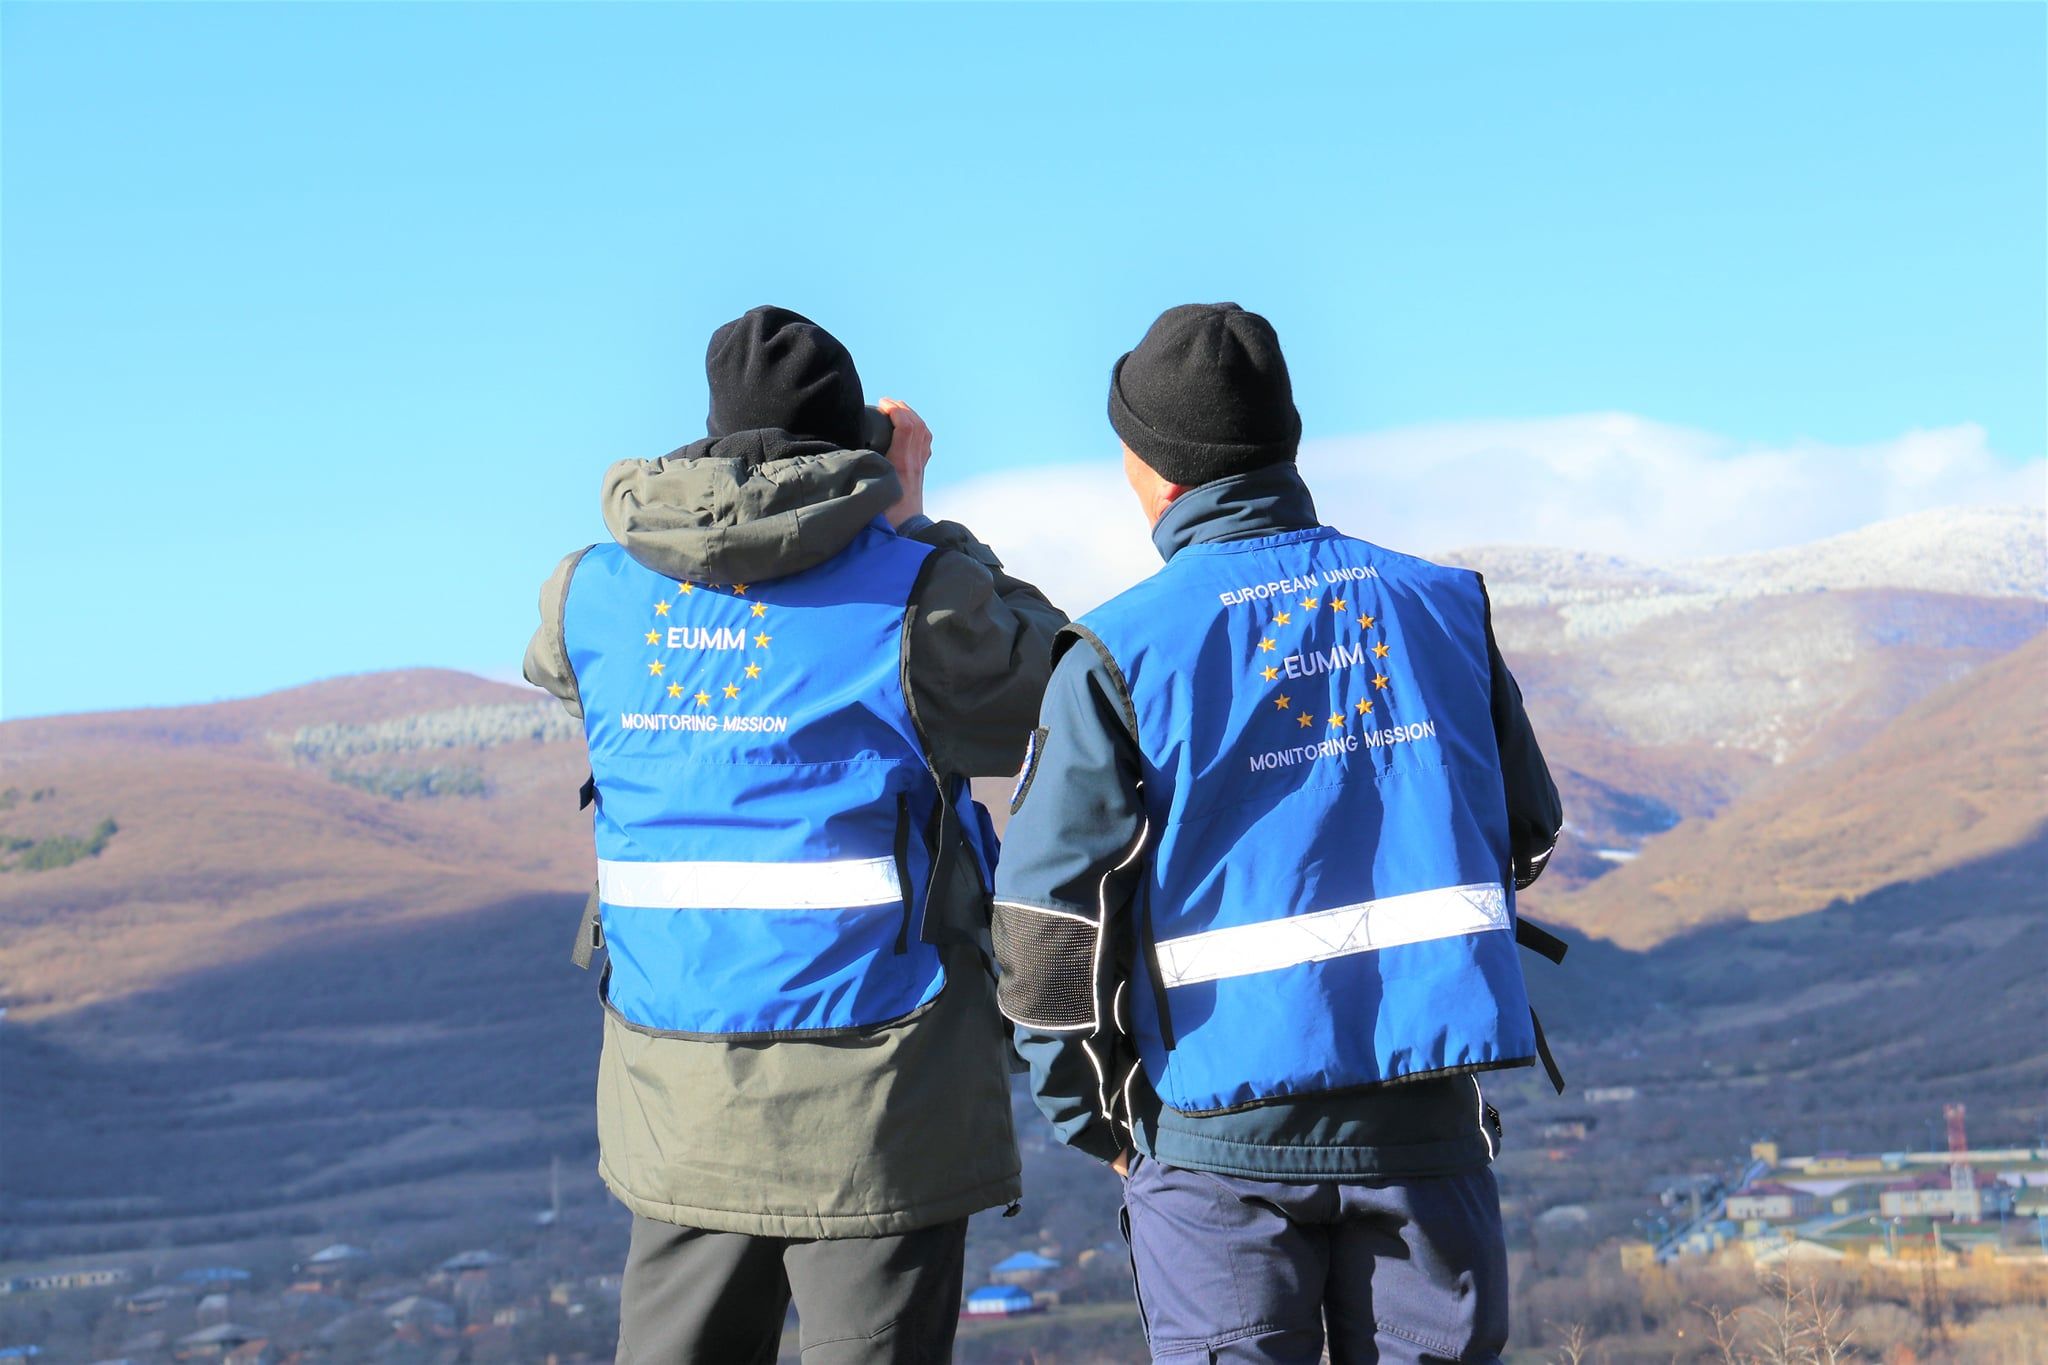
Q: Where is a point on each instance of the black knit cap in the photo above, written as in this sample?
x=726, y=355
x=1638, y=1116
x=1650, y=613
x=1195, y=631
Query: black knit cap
x=1206, y=395
x=776, y=368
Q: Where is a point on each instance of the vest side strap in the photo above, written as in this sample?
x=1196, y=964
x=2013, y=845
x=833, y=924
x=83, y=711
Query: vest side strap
x=589, y=933
x=1540, y=940
x=1543, y=1054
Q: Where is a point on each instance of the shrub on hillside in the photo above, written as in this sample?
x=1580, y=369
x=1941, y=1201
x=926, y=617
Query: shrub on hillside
x=460, y=727
x=59, y=850
x=400, y=784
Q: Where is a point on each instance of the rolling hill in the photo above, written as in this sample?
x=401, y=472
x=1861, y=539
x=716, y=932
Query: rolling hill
x=264, y=959
x=1771, y=658
x=1962, y=775
x=1664, y=693
x=247, y=825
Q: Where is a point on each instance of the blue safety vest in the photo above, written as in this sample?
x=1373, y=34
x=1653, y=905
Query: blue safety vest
x=766, y=817
x=1329, y=899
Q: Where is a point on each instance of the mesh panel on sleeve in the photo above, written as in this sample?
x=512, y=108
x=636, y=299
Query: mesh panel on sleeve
x=1048, y=965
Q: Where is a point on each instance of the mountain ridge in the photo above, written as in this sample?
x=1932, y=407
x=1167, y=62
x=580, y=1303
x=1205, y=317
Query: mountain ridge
x=1955, y=778
x=1975, y=551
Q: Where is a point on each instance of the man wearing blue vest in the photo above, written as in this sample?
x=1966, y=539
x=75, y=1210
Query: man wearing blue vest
x=1256, y=910
x=786, y=674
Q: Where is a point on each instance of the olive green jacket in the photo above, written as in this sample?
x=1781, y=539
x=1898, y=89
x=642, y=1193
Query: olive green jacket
x=906, y=1125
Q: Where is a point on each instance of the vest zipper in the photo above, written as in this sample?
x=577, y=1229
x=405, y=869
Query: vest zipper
x=936, y=846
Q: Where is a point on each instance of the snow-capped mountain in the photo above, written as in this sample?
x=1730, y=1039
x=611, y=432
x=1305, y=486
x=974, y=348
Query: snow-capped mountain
x=1782, y=656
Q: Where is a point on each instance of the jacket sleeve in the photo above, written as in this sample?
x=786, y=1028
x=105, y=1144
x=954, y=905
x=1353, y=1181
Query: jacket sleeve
x=977, y=650
x=547, y=653
x=1070, y=862
x=1535, y=814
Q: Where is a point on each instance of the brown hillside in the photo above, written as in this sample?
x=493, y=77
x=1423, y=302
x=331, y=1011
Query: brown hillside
x=231, y=844
x=1955, y=778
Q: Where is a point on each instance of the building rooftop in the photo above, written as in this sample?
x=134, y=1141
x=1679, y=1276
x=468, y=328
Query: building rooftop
x=1025, y=1260
x=160, y=1291
x=220, y=1334
x=340, y=1251
x=472, y=1260
x=1873, y=1228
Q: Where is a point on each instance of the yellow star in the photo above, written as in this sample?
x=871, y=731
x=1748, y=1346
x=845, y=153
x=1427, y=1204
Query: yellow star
x=1282, y=702
x=1306, y=720
x=675, y=689
x=1364, y=620
x=732, y=690
x=1336, y=720
x=687, y=589
x=760, y=608
x=1336, y=604
x=653, y=637
x=753, y=670
x=761, y=641
x=1379, y=651
x=1269, y=673
x=1267, y=645
x=1282, y=619
x=654, y=669
x=1379, y=680
x=1365, y=707
x=661, y=608
x=702, y=699
x=1311, y=603
x=739, y=590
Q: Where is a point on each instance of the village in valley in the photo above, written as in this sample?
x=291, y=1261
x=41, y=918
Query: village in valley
x=344, y=1302
x=1948, y=1208
x=1937, y=1252
x=544, y=1289
x=1910, y=1242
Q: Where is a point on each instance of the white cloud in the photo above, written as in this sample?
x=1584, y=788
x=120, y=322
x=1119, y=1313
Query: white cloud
x=1607, y=482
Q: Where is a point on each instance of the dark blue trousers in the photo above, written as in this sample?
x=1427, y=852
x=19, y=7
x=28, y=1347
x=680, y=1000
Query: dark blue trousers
x=1396, y=1272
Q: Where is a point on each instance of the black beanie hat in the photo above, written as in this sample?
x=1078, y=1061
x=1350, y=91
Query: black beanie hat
x=776, y=368
x=1206, y=395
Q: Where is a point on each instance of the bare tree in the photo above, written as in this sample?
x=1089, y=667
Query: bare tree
x=1726, y=1334
x=1572, y=1349
x=1797, y=1325
x=1826, y=1339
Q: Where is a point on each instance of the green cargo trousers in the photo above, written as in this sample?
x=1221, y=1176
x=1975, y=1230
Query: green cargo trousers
x=719, y=1298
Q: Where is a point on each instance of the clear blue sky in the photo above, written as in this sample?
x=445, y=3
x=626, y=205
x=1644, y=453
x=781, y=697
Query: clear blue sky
x=320, y=322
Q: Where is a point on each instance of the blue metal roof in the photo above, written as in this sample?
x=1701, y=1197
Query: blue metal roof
x=1026, y=1260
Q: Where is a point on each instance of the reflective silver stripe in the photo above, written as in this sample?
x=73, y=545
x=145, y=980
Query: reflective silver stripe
x=1363, y=928
x=840, y=885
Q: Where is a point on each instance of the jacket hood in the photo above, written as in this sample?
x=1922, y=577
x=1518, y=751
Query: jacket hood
x=743, y=508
